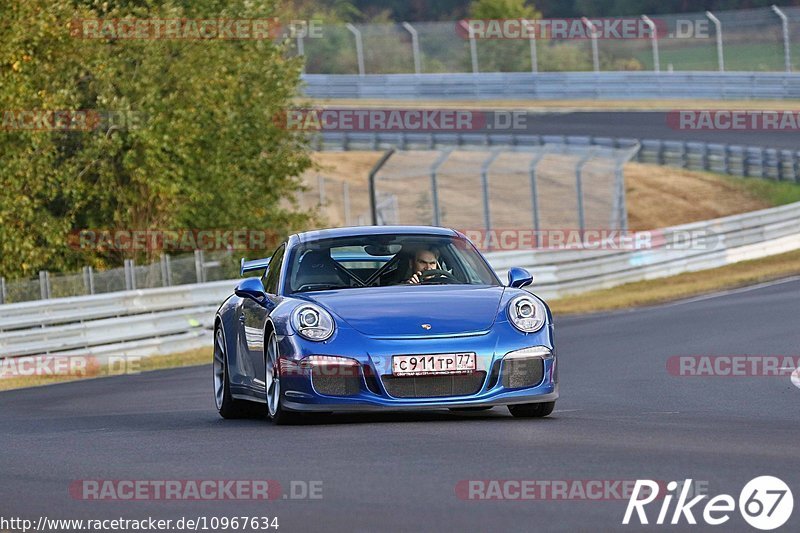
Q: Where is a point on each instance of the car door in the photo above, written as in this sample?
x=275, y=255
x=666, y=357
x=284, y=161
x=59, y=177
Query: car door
x=252, y=319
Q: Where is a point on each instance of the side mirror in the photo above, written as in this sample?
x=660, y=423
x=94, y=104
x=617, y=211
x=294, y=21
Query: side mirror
x=519, y=277
x=251, y=288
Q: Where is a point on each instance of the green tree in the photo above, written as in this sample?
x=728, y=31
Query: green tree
x=502, y=9
x=512, y=55
x=203, y=149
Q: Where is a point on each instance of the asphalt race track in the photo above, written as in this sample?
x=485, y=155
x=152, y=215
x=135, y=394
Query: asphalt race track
x=622, y=416
x=649, y=125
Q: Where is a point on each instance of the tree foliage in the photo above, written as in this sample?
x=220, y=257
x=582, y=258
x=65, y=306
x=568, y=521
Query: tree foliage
x=502, y=9
x=191, y=141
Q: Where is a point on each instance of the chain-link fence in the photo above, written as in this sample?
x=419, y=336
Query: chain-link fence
x=338, y=202
x=762, y=39
x=199, y=267
x=540, y=188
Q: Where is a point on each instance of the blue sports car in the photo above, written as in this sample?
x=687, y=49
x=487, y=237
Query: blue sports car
x=382, y=318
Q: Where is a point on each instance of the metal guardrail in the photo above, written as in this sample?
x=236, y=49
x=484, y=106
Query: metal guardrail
x=173, y=319
x=141, y=322
x=751, y=161
x=557, y=86
x=55, y=312
x=733, y=238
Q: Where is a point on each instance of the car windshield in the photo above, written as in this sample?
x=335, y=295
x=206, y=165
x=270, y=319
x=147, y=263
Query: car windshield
x=382, y=260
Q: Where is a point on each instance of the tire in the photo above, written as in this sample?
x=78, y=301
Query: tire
x=272, y=385
x=227, y=405
x=532, y=410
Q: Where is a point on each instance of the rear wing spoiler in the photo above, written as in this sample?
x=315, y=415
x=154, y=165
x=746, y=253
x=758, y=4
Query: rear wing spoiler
x=255, y=264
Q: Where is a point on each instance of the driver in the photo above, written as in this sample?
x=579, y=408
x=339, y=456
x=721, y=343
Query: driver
x=424, y=259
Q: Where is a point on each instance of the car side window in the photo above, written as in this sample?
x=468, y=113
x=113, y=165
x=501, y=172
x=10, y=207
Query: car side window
x=274, y=271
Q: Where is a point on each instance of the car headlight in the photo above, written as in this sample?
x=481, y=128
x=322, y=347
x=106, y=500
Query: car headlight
x=312, y=322
x=526, y=313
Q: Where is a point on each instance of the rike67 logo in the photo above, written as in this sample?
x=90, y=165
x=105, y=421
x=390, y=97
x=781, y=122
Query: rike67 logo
x=765, y=503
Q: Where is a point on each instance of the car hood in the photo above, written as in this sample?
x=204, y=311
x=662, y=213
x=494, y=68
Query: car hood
x=401, y=310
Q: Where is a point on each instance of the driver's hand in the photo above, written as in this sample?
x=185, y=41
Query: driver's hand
x=415, y=278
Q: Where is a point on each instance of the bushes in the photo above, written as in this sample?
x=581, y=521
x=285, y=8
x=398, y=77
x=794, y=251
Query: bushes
x=203, y=150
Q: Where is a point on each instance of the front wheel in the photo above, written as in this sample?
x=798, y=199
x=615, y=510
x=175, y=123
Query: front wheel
x=272, y=383
x=532, y=410
x=226, y=404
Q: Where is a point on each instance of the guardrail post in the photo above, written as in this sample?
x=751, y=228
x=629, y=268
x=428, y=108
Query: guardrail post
x=579, y=188
x=359, y=47
x=787, y=54
x=593, y=37
x=198, y=266
x=435, y=186
x=796, y=166
x=169, y=269
x=130, y=275
x=535, y=195
x=726, y=159
x=619, y=196
x=166, y=271
x=44, y=284
x=487, y=216
x=654, y=41
x=718, y=26
x=88, y=279
x=414, y=47
x=3, y=294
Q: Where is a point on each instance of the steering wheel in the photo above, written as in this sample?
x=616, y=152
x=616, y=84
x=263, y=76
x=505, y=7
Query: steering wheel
x=436, y=275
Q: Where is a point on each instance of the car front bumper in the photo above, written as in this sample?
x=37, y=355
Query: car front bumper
x=320, y=404
x=370, y=390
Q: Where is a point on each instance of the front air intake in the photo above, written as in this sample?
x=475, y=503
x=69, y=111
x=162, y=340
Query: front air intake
x=433, y=386
x=522, y=372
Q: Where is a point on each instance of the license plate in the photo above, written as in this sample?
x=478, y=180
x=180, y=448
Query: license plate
x=443, y=363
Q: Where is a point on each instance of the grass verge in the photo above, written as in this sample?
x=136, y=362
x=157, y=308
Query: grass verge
x=773, y=192
x=651, y=292
x=87, y=370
